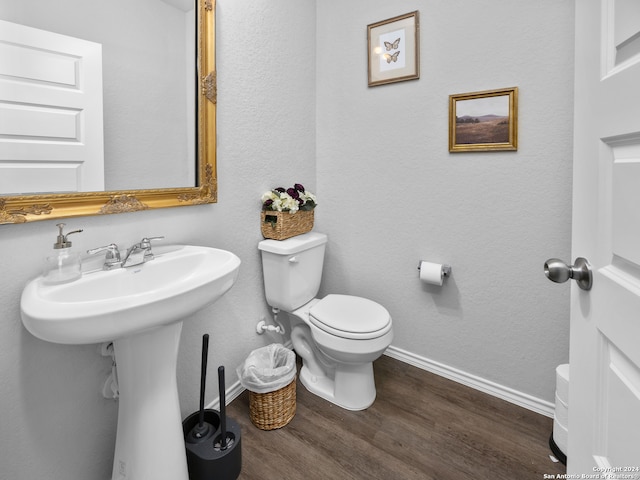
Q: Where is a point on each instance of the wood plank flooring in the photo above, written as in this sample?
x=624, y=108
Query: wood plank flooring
x=421, y=426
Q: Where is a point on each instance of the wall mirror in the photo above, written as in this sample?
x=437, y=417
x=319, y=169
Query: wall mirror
x=152, y=143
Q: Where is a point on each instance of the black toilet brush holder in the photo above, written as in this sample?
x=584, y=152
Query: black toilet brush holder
x=207, y=460
x=212, y=440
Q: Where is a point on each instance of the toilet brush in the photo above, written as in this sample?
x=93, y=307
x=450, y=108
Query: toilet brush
x=203, y=430
x=225, y=440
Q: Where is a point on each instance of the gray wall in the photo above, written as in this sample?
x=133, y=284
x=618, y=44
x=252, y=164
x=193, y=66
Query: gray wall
x=294, y=107
x=391, y=194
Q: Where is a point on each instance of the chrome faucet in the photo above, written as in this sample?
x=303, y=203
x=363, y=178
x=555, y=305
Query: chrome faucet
x=136, y=254
x=139, y=253
x=112, y=259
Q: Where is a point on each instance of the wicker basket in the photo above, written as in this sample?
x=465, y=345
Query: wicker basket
x=282, y=225
x=272, y=410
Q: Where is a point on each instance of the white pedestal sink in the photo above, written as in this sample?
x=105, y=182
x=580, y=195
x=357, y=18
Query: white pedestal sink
x=141, y=310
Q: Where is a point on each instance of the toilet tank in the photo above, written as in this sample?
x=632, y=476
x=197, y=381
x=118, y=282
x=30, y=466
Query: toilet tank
x=292, y=269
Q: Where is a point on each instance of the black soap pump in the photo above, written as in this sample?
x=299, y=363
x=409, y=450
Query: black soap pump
x=64, y=265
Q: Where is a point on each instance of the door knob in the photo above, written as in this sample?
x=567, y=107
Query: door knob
x=558, y=271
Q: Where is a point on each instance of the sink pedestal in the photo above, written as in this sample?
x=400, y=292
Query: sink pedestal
x=149, y=439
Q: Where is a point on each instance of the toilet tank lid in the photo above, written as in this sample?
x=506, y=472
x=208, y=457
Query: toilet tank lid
x=293, y=245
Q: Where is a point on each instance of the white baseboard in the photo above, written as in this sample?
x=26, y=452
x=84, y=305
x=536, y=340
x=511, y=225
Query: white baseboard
x=231, y=393
x=521, y=399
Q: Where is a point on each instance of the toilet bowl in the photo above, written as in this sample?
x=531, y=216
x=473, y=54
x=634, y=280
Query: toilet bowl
x=339, y=336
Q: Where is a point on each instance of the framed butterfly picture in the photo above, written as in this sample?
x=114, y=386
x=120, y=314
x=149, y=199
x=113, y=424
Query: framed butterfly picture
x=394, y=49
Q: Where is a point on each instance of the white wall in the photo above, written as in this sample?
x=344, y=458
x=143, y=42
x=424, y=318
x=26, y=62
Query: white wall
x=391, y=194
x=54, y=423
x=284, y=118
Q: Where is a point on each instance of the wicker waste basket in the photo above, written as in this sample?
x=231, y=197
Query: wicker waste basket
x=269, y=373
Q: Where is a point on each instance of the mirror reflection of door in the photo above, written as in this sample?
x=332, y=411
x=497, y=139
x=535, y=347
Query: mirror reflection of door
x=149, y=84
x=51, y=125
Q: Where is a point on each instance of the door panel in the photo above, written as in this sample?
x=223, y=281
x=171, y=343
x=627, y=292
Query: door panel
x=620, y=395
x=604, y=397
x=51, y=126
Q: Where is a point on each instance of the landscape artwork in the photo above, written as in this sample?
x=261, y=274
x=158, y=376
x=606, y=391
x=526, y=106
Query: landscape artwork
x=483, y=121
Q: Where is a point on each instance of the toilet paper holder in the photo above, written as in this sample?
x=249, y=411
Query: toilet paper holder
x=446, y=269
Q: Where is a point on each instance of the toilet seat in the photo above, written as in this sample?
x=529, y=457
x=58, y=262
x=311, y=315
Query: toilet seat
x=347, y=316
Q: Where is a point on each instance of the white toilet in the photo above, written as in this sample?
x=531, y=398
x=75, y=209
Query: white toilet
x=339, y=336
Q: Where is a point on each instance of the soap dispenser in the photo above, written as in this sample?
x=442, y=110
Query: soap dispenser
x=64, y=265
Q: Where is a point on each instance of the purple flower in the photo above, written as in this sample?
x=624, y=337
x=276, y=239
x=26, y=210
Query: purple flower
x=299, y=187
x=293, y=193
x=268, y=203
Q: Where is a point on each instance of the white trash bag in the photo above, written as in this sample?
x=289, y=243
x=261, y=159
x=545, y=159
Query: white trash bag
x=268, y=369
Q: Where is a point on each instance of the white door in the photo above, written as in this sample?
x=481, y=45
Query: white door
x=51, y=133
x=604, y=396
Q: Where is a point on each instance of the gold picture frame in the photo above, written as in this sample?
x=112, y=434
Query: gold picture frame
x=393, y=47
x=484, y=121
x=33, y=207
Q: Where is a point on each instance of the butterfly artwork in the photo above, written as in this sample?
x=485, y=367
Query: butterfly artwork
x=392, y=45
x=393, y=50
x=392, y=58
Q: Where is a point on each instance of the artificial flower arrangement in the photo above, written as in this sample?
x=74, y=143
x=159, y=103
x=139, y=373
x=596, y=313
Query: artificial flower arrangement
x=287, y=212
x=289, y=200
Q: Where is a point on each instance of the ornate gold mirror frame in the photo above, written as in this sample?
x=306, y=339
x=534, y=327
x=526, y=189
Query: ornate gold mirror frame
x=29, y=208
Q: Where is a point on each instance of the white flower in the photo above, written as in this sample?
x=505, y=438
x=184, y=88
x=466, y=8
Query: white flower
x=270, y=195
x=306, y=196
x=289, y=203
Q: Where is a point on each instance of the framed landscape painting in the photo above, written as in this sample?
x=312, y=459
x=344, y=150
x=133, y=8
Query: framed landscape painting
x=484, y=121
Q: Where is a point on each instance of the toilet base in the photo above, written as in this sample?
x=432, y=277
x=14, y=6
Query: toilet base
x=352, y=388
